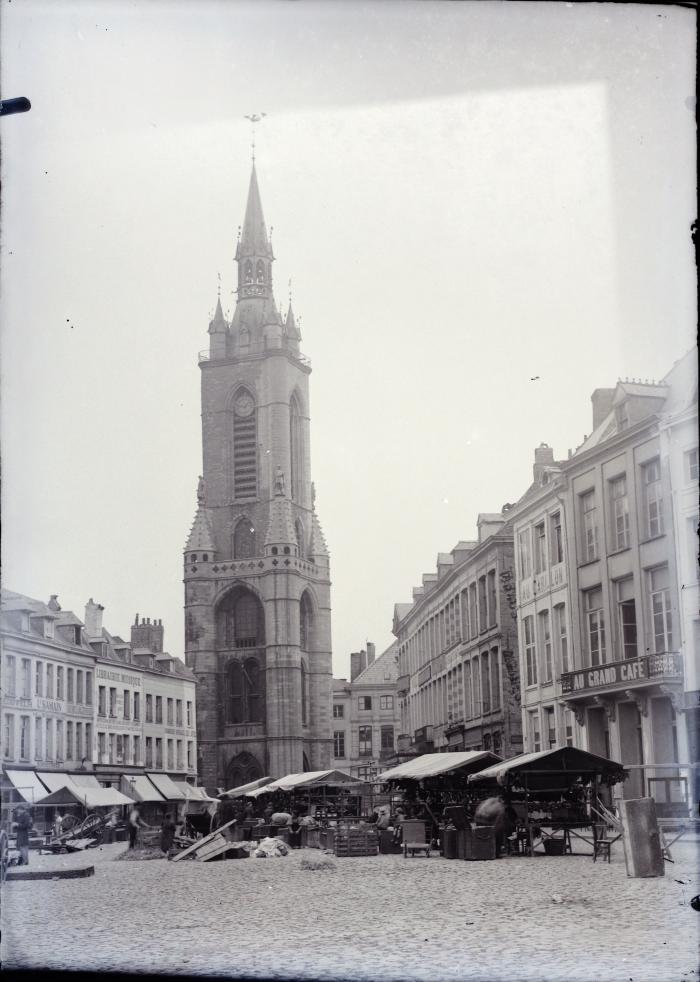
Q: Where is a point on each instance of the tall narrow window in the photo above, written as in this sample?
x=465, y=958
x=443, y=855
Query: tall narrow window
x=535, y=738
x=661, y=609
x=495, y=681
x=26, y=678
x=301, y=537
x=473, y=619
x=236, y=693
x=546, y=645
x=304, y=695
x=38, y=741
x=627, y=617
x=595, y=624
x=540, y=548
x=550, y=728
x=10, y=676
x=338, y=744
x=524, y=554
x=254, y=694
x=492, y=597
x=244, y=539
x=245, y=448
x=562, y=636
x=555, y=540
x=305, y=622
x=483, y=619
x=296, y=449
x=9, y=737
x=589, y=525
x=619, y=513
x=530, y=651
x=653, y=502
x=485, y=684
x=365, y=741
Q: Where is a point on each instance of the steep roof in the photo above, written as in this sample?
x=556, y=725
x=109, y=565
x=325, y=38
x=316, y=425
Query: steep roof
x=383, y=669
x=201, y=537
x=254, y=240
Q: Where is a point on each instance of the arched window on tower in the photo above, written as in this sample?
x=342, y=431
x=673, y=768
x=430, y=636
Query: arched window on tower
x=236, y=687
x=248, y=272
x=260, y=272
x=240, y=620
x=254, y=692
x=245, y=446
x=305, y=622
x=244, y=337
x=296, y=448
x=301, y=537
x=244, y=539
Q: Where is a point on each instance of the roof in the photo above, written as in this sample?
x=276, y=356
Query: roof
x=383, y=669
x=294, y=782
x=201, y=537
x=140, y=788
x=243, y=789
x=430, y=765
x=193, y=793
x=167, y=787
x=280, y=527
x=83, y=788
x=569, y=760
x=28, y=785
x=254, y=241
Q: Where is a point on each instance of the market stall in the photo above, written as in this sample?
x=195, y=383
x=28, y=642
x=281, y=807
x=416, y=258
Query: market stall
x=327, y=795
x=549, y=796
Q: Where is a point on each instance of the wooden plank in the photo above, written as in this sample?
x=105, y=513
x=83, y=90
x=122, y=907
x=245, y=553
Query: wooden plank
x=196, y=846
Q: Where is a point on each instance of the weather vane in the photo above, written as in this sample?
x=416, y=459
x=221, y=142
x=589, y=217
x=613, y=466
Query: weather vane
x=254, y=118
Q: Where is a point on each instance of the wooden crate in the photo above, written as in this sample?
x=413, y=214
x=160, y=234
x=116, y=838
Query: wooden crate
x=356, y=842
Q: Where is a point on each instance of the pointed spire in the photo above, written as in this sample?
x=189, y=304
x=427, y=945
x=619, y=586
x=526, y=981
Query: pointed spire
x=218, y=323
x=254, y=241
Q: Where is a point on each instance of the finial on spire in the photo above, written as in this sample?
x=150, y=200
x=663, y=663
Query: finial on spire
x=290, y=291
x=218, y=287
x=254, y=118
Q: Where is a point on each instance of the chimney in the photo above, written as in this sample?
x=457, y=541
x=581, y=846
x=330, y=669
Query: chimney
x=53, y=603
x=148, y=634
x=93, y=619
x=370, y=652
x=602, y=404
x=544, y=457
x=358, y=663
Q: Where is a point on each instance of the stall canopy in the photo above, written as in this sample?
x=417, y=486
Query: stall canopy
x=192, y=793
x=140, y=788
x=543, y=769
x=64, y=790
x=307, y=781
x=432, y=765
x=28, y=785
x=167, y=787
x=242, y=790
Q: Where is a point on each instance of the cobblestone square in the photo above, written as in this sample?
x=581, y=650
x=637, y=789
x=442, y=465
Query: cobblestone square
x=553, y=918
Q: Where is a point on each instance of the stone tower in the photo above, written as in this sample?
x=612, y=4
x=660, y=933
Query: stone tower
x=257, y=586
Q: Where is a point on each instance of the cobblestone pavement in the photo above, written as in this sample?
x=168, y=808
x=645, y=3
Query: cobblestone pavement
x=386, y=917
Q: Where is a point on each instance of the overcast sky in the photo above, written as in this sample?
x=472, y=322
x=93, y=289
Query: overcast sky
x=464, y=195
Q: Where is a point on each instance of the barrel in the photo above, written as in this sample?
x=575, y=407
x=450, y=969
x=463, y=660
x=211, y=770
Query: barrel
x=449, y=842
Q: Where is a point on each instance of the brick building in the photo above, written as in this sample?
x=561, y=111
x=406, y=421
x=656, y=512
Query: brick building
x=366, y=715
x=458, y=685
x=256, y=570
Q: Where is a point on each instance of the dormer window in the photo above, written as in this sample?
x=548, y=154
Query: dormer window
x=48, y=628
x=76, y=633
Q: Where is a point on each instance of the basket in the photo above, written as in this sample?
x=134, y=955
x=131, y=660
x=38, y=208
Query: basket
x=480, y=843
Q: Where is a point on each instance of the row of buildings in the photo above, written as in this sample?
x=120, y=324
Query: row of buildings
x=573, y=618
x=76, y=698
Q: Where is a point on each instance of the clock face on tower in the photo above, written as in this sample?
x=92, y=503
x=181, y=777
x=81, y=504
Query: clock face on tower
x=244, y=405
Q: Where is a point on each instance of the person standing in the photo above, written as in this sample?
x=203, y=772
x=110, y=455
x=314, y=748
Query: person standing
x=58, y=825
x=134, y=823
x=167, y=835
x=24, y=824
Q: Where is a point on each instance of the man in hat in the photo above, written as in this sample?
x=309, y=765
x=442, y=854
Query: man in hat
x=23, y=819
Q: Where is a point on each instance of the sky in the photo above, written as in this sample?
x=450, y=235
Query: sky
x=484, y=210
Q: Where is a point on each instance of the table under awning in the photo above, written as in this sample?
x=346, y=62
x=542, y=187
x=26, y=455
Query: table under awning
x=167, y=787
x=140, y=788
x=433, y=765
x=27, y=785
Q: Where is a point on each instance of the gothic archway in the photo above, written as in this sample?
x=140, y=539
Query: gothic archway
x=244, y=539
x=242, y=769
x=240, y=620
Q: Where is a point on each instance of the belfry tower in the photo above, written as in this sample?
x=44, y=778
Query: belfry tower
x=257, y=586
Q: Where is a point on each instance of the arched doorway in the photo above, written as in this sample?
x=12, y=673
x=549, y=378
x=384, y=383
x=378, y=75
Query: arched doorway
x=242, y=769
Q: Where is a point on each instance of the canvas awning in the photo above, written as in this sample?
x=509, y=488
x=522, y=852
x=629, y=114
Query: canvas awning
x=307, y=780
x=167, y=787
x=243, y=789
x=193, y=793
x=543, y=766
x=430, y=765
x=27, y=785
x=63, y=790
x=140, y=788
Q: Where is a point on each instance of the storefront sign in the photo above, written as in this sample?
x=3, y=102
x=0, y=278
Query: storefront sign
x=51, y=705
x=617, y=673
x=134, y=680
